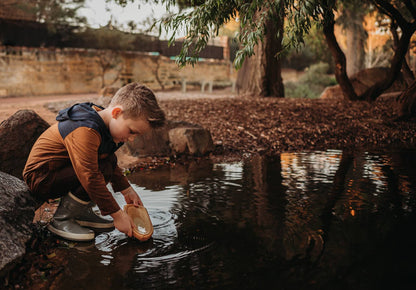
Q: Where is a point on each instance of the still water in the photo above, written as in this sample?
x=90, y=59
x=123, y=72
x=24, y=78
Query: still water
x=312, y=220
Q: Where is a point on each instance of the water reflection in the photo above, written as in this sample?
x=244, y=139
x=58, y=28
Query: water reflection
x=324, y=220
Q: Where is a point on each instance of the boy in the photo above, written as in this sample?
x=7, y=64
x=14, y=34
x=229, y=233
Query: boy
x=74, y=159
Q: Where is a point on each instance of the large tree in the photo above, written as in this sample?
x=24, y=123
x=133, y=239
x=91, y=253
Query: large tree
x=403, y=13
x=260, y=37
x=255, y=16
x=352, y=22
x=260, y=74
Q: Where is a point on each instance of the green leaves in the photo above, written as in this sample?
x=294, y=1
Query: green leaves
x=59, y=11
x=199, y=24
x=202, y=20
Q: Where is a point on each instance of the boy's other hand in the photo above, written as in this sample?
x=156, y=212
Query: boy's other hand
x=131, y=196
x=123, y=222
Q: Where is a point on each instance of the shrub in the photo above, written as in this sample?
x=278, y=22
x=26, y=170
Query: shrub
x=312, y=83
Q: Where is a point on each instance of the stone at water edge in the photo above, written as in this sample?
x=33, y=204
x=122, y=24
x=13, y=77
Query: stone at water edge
x=177, y=137
x=17, y=209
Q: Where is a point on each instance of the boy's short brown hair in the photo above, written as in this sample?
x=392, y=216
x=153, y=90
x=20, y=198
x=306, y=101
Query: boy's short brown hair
x=137, y=101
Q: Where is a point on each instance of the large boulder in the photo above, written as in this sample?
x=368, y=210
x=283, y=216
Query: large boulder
x=17, y=136
x=363, y=80
x=17, y=209
x=175, y=138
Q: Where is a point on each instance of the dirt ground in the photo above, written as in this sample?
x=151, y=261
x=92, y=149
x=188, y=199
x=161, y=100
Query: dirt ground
x=242, y=125
x=10, y=105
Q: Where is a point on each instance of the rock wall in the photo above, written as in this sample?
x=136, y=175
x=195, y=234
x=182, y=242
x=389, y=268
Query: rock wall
x=42, y=71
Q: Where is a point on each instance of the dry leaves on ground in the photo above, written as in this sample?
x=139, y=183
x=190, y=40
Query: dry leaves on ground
x=270, y=125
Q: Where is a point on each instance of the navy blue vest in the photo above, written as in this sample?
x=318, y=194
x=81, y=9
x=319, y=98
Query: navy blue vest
x=84, y=115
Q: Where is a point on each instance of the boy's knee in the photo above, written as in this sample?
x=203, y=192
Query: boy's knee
x=39, y=198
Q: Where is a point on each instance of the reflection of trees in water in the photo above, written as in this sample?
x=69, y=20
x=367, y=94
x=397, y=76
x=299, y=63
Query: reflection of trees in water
x=267, y=198
x=310, y=217
x=331, y=223
x=181, y=174
x=308, y=177
x=361, y=210
x=403, y=170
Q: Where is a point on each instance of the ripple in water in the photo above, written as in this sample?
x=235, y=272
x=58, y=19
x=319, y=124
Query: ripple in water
x=145, y=262
x=162, y=248
x=107, y=242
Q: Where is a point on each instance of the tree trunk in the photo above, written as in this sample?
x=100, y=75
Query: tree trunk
x=339, y=57
x=372, y=93
x=407, y=28
x=406, y=102
x=396, y=64
x=260, y=75
x=407, y=72
x=408, y=75
x=355, y=42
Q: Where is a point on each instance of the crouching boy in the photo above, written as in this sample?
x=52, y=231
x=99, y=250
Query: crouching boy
x=74, y=159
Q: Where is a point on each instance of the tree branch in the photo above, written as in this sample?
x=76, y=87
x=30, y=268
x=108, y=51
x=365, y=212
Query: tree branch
x=410, y=7
x=389, y=9
x=339, y=56
x=407, y=72
x=396, y=64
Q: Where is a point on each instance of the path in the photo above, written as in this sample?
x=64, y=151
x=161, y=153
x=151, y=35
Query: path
x=10, y=105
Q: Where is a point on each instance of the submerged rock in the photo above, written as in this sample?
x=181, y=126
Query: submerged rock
x=17, y=209
x=17, y=136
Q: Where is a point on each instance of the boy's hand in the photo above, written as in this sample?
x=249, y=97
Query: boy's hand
x=123, y=222
x=131, y=196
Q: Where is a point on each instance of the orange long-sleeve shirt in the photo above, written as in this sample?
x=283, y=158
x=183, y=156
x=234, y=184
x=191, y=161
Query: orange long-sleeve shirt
x=82, y=146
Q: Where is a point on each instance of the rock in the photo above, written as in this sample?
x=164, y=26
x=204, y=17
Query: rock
x=17, y=209
x=196, y=141
x=332, y=92
x=17, y=136
x=154, y=143
x=364, y=79
x=174, y=138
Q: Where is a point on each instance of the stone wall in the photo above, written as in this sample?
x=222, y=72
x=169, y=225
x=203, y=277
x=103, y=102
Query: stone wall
x=43, y=71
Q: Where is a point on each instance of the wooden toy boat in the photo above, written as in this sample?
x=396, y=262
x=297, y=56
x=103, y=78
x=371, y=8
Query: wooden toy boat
x=143, y=229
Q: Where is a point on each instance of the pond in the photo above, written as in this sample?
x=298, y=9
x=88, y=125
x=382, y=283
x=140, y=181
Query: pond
x=310, y=220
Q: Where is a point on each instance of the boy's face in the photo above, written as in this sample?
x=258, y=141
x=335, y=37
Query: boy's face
x=123, y=130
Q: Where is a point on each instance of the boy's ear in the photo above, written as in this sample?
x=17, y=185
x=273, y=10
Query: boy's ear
x=116, y=112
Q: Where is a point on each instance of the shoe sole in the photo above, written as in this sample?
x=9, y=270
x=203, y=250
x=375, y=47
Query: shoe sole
x=95, y=225
x=70, y=236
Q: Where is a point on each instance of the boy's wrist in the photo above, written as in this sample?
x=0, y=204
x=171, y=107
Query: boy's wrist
x=116, y=214
x=126, y=191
